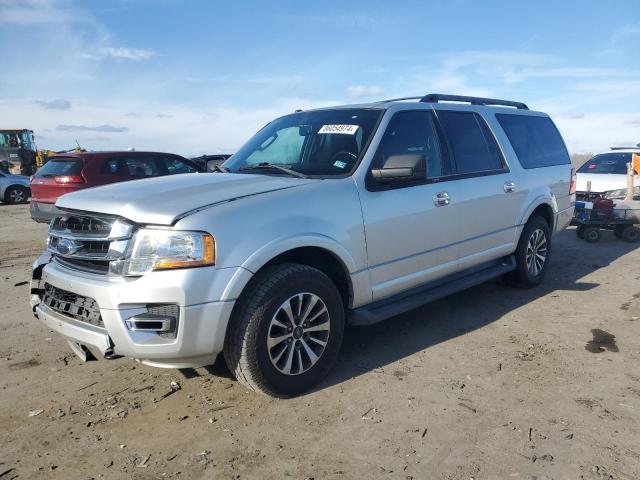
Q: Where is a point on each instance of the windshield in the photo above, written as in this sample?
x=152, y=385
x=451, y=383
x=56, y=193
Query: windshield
x=324, y=143
x=607, y=163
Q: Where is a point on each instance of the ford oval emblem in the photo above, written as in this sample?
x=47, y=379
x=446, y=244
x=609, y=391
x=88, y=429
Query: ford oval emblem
x=67, y=247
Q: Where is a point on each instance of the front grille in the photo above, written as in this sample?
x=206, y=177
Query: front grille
x=78, y=224
x=100, y=267
x=72, y=305
x=89, y=242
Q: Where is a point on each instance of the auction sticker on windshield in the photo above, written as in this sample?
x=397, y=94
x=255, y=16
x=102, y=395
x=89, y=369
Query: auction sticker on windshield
x=345, y=129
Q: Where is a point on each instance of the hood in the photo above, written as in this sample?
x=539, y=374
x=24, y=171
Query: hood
x=163, y=200
x=603, y=182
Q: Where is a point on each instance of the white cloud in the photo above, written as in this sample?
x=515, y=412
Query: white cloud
x=363, y=90
x=596, y=132
x=32, y=12
x=85, y=128
x=59, y=104
x=209, y=128
x=623, y=33
x=135, y=54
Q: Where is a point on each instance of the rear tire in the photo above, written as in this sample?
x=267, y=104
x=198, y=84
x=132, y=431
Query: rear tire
x=286, y=330
x=592, y=234
x=16, y=194
x=631, y=234
x=532, y=254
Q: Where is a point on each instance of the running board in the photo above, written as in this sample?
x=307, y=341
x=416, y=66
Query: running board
x=404, y=302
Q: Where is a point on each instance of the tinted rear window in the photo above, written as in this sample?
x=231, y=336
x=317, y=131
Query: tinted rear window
x=473, y=145
x=607, y=163
x=536, y=140
x=60, y=166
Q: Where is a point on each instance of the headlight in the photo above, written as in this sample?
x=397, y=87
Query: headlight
x=166, y=249
x=620, y=193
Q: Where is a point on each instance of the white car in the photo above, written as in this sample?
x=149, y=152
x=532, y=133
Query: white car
x=606, y=175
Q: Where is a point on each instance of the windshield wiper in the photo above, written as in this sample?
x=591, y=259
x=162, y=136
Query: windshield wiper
x=273, y=166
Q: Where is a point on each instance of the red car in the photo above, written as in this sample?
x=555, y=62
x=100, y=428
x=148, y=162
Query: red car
x=69, y=172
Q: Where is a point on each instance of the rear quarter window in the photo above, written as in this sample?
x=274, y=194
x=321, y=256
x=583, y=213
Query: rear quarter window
x=60, y=166
x=536, y=140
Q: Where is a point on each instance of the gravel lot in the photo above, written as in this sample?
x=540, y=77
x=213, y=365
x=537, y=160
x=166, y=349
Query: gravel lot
x=490, y=383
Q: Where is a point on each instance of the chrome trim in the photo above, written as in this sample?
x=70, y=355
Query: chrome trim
x=110, y=239
x=119, y=230
x=150, y=323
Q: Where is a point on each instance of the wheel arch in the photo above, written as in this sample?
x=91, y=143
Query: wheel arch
x=320, y=257
x=543, y=205
x=545, y=211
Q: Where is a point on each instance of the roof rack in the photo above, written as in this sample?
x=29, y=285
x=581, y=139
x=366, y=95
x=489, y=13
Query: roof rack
x=399, y=99
x=437, y=97
x=637, y=147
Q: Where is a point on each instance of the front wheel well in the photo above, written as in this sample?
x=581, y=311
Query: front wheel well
x=325, y=261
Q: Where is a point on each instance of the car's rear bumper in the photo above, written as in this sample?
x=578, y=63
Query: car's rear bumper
x=43, y=212
x=563, y=219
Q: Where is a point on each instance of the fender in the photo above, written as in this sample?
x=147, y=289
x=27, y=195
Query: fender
x=537, y=198
x=262, y=256
x=280, y=245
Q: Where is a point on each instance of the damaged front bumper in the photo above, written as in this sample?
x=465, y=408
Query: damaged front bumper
x=107, y=318
x=87, y=341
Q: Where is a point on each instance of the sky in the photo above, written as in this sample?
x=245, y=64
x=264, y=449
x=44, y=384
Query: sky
x=197, y=76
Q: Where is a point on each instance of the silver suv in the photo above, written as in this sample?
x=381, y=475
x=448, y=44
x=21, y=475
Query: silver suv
x=336, y=216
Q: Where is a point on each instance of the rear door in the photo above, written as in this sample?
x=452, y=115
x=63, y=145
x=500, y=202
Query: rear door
x=483, y=188
x=58, y=176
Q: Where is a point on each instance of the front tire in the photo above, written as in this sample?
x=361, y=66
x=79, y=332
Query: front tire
x=286, y=330
x=532, y=254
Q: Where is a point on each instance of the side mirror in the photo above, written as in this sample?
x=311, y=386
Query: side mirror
x=401, y=168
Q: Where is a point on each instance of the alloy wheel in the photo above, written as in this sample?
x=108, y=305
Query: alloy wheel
x=17, y=195
x=298, y=333
x=537, y=250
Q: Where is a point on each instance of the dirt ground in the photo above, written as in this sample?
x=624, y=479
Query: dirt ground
x=492, y=383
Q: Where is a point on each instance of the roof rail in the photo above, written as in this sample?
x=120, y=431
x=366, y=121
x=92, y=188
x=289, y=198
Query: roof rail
x=437, y=97
x=398, y=99
x=637, y=147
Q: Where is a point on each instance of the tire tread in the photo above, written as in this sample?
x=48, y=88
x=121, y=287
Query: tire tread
x=241, y=360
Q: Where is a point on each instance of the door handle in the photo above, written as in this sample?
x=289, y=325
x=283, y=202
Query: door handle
x=509, y=187
x=441, y=199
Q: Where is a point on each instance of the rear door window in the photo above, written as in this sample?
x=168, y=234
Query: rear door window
x=607, y=163
x=535, y=140
x=474, y=148
x=60, y=166
x=136, y=167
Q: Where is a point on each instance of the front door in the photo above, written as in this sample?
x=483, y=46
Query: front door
x=411, y=231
